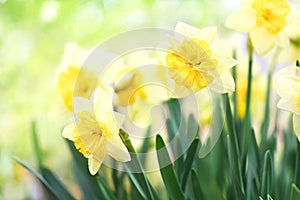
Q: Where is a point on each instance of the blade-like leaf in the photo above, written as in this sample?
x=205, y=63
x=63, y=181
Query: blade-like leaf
x=87, y=183
x=238, y=190
x=36, y=146
x=167, y=172
x=139, y=179
x=266, y=175
x=295, y=193
x=50, y=192
x=196, y=186
x=107, y=192
x=189, y=161
x=57, y=186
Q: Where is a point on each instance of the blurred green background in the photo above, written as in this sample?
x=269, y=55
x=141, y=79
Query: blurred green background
x=32, y=39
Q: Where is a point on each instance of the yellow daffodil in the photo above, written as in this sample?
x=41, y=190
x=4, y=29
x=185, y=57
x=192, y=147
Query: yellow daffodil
x=287, y=84
x=198, y=61
x=265, y=20
x=96, y=131
x=68, y=74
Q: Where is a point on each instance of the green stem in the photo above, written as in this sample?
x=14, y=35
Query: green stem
x=297, y=170
x=249, y=86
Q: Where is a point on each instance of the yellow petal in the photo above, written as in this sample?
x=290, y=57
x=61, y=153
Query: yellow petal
x=296, y=124
x=116, y=148
x=68, y=132
x=94, y=165
x=262, y=40
x=241, y=20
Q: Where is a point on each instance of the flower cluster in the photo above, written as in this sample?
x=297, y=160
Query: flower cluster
x=191, y=65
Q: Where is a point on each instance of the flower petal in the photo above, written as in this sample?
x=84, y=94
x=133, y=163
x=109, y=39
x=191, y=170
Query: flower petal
x=68, y=132
x=116, y=148
x=207, y=34
x=289, y=105
x=296, y=124
x=94, y=165
x=241, y=20
x=262, y=40
x=223, y=84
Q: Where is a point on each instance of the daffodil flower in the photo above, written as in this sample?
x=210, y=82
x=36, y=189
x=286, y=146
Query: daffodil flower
x=287, y=84
x=198, y=61
x=71, y=71
x=96, y=130
x=264, y=20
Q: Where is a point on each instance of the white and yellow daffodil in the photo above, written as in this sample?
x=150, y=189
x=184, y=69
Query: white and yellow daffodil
x=198, y=62
x=96, y=131
x=264, y=20
x=67, y=75
x=287, y=85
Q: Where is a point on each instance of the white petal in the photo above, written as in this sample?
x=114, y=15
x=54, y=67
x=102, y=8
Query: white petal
x=223, y=84
x=262, y=40
x=116, y=148
x=68, y=132
x=283, y=40
x=82, y=104
x=94, y=165
x=207, y=34
x=102, y=99
x=296, y=124
x=241, y=20
x=288, y=105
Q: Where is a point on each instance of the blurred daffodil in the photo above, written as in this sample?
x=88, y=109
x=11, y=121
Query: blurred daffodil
x=96, y=131
x=199, y=62
x=258, y=93
x=71, y=78
x=265, y=20
x=287, y=84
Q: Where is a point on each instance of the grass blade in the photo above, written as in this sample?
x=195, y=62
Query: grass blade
x=87, y=183
x=295, y=193
x=196, y=186
x=266, y=176
x=167, y=173
x=106, y=191
x=189, y=161
x=50, y=191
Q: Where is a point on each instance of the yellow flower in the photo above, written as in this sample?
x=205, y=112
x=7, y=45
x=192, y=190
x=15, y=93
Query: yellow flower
x=68, y=74
x=199, y=62
x=287, y=84
x=265, y=20
x=96, y=132
x=133, y=91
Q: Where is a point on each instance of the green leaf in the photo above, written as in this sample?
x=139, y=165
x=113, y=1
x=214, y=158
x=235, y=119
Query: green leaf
x=235, y=176
x=50, y=191
x=175, y=113
x=107, y=192
x=167, y=172
x=36, y=146
x=139, y=179
x=295, y=193
x=189, y=161
x=57, y=186
x=196, y=186
x=87, y=183
x=233, y=151
x=266, y=175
